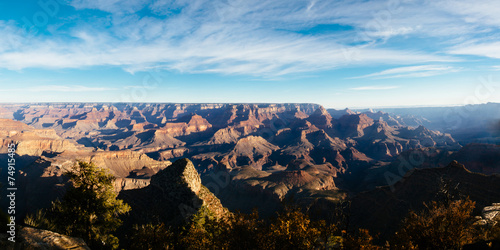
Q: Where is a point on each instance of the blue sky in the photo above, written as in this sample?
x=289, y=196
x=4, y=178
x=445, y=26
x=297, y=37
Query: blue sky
x=344, y=53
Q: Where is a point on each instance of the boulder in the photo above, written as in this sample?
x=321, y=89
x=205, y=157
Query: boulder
x=32, y=238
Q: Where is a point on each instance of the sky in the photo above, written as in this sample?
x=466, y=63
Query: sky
x=345, y=53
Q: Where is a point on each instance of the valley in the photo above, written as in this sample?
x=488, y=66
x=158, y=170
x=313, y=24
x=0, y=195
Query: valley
x=248, y=156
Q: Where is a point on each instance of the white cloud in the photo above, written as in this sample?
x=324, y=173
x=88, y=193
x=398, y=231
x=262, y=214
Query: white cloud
x=59, y=88
x=491, y=49
x=218, y=49
x=411, y=71
x=249, y=37
x=374, y=88
x=480, y=12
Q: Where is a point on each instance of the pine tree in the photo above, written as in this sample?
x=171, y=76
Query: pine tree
x=89, y=209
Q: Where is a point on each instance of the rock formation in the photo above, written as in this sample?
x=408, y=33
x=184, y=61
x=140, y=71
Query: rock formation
x=32, y=238
x=173, y=195
x=490, y=216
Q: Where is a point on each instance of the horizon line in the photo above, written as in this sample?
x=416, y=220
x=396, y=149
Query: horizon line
x=229, y=103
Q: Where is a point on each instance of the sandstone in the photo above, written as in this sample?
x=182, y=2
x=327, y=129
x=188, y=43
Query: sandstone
x=173, y=195
x=11, y=125
x=186, y=126
x=31, y=238
x=38, y=146
x=172, y=153
x=129, y=183
x=353, y=125
x=321, y=118
x=179, y=176
x=225, y=136
x=251, y=150
x=491, y=213
x=121, y=163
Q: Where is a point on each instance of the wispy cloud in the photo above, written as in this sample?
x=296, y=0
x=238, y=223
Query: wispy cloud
x=374, y=88
x=411, y=71
x=491, y=49
x=258, y=38
x=59, y=88
x=225, y=52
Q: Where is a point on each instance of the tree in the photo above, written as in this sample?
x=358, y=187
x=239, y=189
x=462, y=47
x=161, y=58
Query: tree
x=241, y=231
x=89, y=209
x=442, y=225
x=359, y=240
x=292, y=229
x=152, y=236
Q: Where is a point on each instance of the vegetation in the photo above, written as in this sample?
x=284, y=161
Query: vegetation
x=151, y=237
x=290, y=229
x=445, y=225
x=441, y=225
x=89, y=209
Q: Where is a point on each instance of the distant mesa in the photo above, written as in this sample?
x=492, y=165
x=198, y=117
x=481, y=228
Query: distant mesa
x=339, y=113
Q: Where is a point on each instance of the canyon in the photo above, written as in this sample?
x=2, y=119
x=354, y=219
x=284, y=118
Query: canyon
x=247, y=155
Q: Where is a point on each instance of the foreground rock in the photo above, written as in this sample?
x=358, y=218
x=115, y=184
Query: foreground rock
x=32, y=238
x=490, y=215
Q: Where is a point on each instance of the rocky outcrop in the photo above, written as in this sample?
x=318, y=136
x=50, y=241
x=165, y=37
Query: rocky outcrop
x=11, y=125
x=32, y=238
x=30, y=141
x=172, y=153
x=353, y=125
x=321, y=118
x=40, y=180
x=121, y=163
x=180, y=179
x=186, y=125
x=35, y=147
x=225, y=136
x=121, y=184
x=173, y=195
x=490, y=216
x=251, y=150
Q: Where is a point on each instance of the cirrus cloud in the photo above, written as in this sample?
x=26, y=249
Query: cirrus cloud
x=411, y=71
x=258, y=38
